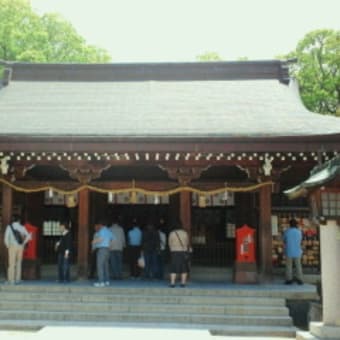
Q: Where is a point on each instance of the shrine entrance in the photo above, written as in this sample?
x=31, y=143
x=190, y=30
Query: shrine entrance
x=209, y=207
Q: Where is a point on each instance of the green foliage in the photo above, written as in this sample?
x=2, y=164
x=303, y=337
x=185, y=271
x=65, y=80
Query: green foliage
x=214, y=56
x=243, y=59
x=318, y=70
x=209, y=56
x=26, y=36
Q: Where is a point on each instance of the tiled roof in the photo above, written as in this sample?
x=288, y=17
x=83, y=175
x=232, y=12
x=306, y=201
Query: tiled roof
x=319, y=176
x=185, y=108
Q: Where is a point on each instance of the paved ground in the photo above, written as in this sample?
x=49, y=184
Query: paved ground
x=85, y=333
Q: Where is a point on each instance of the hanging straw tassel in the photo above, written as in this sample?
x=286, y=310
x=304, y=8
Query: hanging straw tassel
x=202, y=202
x=133, y=197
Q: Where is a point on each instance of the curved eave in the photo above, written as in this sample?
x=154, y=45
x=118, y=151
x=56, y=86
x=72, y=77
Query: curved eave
x=324, y=174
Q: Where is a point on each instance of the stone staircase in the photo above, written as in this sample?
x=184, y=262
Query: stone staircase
x=238, y=312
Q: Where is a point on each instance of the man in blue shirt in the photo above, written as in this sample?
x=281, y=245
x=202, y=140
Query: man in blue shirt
x=134, y=249
x=102, y=240
x=292, y=239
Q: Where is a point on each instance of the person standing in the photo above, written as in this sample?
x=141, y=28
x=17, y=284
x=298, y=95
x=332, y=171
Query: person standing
x=16, y=236
x=64, y=248
x=161, y=255
x=101, y=242
x=116, y=250
x=179, y=246
x=292, y=239
x=162, y=225
x=134, y=249
x=151, y=248
x=93, y=258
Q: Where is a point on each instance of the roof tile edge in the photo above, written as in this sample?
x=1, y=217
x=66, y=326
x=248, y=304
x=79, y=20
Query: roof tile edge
x=188, y=71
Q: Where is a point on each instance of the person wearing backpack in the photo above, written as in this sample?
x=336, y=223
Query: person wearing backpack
x=16, y=236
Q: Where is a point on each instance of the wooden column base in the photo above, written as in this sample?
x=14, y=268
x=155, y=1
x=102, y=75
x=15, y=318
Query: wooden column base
x=245, y=272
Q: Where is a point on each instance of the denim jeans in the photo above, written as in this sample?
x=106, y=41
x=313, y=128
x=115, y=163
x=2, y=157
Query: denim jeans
x=160, y=265
x=116, y=261
x=103, y=256
x=134, y=253
x=63, y=268
x=150, y=264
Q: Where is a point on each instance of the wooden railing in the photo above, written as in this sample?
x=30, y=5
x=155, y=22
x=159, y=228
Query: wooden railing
x=216, y=255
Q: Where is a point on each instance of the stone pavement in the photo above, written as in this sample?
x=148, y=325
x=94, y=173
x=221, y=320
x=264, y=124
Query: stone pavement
x=118, y=333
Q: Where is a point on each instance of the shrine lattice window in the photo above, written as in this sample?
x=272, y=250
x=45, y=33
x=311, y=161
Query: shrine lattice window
x=330, y=202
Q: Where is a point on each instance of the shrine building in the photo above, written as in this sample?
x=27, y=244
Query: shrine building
x=215, y=144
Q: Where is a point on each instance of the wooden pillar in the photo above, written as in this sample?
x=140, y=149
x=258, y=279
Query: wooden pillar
x=7, y=208
x=265, y=234
x=83, y=233
x=185, y=210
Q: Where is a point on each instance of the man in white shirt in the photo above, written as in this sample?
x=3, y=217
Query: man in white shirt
x=15, y=248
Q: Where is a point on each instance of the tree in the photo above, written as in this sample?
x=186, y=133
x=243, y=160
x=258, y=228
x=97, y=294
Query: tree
x=26, y=36
x=318, y=70
x=209, y=56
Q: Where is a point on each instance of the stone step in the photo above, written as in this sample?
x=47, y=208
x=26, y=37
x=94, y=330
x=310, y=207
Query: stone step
x=108, y=297
x=274, y=291
x=306, y=336
x=254, y=331
x=147, y=317
x=235, y=310
x=108, y=307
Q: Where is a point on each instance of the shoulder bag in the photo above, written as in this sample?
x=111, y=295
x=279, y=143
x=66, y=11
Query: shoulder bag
x=17, y=234
x=187, y=251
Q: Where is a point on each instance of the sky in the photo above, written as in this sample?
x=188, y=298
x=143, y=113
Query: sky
x=180, y=30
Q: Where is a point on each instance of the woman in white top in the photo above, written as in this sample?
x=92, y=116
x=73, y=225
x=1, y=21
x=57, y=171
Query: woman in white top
x=15, y=245
x=179, y=245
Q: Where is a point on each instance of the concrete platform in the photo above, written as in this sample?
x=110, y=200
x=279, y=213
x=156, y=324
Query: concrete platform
x=56, y=333
x=276, y=289
x=198, y=273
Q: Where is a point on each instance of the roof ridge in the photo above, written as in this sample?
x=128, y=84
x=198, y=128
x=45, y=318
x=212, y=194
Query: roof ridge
x=171, y=71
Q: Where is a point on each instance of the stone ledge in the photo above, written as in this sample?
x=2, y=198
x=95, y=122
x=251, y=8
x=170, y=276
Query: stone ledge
x=305, y=336
x=319, y=329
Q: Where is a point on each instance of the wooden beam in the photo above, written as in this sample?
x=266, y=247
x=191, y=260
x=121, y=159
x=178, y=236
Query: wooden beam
x=24, y=165
x=265, y=234
x=168, y=144
x=184, y=175
x=83, y=233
